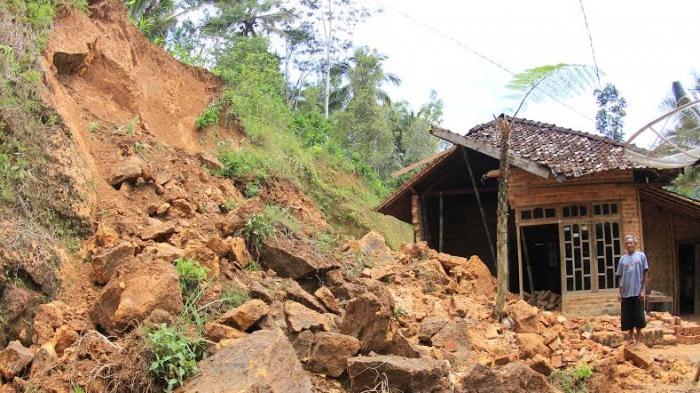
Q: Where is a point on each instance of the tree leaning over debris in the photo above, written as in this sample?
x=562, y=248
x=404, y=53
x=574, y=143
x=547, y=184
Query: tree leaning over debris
x=535, y=84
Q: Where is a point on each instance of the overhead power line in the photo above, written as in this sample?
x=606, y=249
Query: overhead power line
x=590, y=40
x=480, y=55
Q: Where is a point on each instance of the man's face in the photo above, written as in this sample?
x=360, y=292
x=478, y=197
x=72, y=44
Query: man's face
x=630, y=245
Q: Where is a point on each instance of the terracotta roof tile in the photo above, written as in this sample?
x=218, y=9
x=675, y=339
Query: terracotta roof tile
x=565, y=151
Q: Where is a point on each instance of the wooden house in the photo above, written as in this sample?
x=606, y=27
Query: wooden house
x=573, y=197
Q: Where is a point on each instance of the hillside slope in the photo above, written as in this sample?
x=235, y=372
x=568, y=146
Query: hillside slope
x=184, y=277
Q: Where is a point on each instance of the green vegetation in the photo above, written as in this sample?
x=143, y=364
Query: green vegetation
x=399, y=311
x=174, y=355
x=191, y=273
x=572, y=379
x=94, y=126
x=209, y=118
x=257, y=229
x=252, y=189
x=233, y=297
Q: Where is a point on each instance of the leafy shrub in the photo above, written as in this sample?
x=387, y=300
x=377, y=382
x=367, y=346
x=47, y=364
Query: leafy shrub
x=244, y=164
x=252, y=189
x=208, y=118
x=174, y=355
x=573, y=379
x=191, y=273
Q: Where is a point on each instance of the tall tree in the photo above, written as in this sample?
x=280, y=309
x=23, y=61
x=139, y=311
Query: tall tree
x=535, y=84
x=609, y=120
x=343, y=93
x=409, y=128
x=362, y=128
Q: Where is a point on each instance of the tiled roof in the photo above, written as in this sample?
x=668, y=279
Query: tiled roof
x=565, y=151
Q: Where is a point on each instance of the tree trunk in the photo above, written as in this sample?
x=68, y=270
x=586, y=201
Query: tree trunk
x=502, y=225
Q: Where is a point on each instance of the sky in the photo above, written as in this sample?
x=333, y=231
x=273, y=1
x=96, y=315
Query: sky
x=640, y=46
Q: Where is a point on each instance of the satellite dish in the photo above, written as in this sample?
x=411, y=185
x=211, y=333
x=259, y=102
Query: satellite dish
x=672, y=140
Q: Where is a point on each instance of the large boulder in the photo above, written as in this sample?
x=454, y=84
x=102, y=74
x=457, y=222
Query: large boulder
x=424, y=375
x=374, y=246
x=474, y=276
x=429, y=327
x=367, y=319
x=330, y=353
x=14, y=359
x=524, y=317
x=298, y=294
x=454, y=336
x=639, y=355
x=106, y=262
x=133, y=292
x=128, y=170
x=264, y=361
x=532, y=344
x=301, y=318
x=514, y=377
x=293, y=259
x=245, y=315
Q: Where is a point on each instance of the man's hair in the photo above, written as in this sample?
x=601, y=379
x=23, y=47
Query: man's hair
x=631, y=236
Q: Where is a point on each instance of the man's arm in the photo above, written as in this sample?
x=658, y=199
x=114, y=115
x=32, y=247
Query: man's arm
x=645, y=281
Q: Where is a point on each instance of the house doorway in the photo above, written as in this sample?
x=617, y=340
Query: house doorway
x=541, y=258
x=687, y=275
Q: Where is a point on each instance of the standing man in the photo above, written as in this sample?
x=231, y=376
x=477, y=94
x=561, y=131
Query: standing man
x=632, y=271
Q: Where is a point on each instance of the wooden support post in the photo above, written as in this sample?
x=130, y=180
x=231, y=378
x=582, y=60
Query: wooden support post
x=520, y=261
x=478, y=202
x=528, y=267
x=416, y=218
x=442, y=226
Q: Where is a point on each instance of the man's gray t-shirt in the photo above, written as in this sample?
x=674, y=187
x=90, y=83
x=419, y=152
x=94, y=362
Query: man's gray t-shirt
x=631, y=270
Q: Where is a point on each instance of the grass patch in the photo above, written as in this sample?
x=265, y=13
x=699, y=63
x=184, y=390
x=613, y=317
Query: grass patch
x=208, y=118
x=233, y=297
x=174, y=355
x=191, y=273
x=572, y=379
x=257, y=229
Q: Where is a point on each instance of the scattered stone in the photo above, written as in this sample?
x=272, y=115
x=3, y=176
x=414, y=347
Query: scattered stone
x=453, y=336
x=330, y=353
x=245, y=315
x=238, y=251
x=450, y=262
x=158, y=231
x=298, y=294
x=218, y=246
x=639, y=355
x=13, y=359
x=104, y=264
x=293, y=259
x=541, y=364
x=199, y=252
x=184, y=207
x=164, y=251
x=524, y=317
x=128, y=170
x=216, y=332
x=374, y=246
x=475, y=277
x=257, y=291
x=422, y=375
x=209, y=161
x=64, y=338
x=48, y=318
x=303, y=342
x=264, y=361
x=609, y=338
x=326, y=297
x=105, y=235
x=133, y=292
x=516, y=377
x=301, y=318
x=531, y=344
x=429, y=327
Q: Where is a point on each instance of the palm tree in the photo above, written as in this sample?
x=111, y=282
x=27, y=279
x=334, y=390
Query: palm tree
x=249, y=18
x=362, y=70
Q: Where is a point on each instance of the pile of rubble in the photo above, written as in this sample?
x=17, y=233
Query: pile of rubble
x=545, y=300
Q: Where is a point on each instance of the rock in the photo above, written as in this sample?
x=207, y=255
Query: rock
x=517, y=377
x=48, y=318
x=453, y=336
x=531, y=344
x=478, y=379
x=104, y=264
x=186, y=208
x=209, y=161
x=293, y=259
x=133, y=292
x=237, y=218
x=368, y=320
x=541, y=364
x=298, y=294
x=374, y=246
x=330, y=353
x=128, y=170
x=450, y=262
x=159, y=317
x=524, y=317
x=158, y=231
x=239, y=251
x=422, y=375
x=608, y=338
x=640, y=355
x=429, y=327
x=17, y=304
x=257, y=291
x=14, y=359
x=199, y=252
x=475, y=277
x=301, y=318
x=245, y=315
x=218, y=245
x=216, y=332
x=303, y=342
x=164, y=251
x=262, y=362
x=326, y=297
x=105, y=235
x=63, y=339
